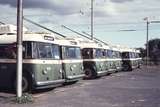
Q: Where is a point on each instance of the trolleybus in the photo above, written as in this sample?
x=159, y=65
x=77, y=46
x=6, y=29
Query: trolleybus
x=129, y=59
x=93, y=59
x=42, y=67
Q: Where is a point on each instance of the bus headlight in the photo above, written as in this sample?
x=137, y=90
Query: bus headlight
x=44, y=72
x=101, y=65
x=71, y=68
x=60, y=70
x=111, y=64
x=82, y=68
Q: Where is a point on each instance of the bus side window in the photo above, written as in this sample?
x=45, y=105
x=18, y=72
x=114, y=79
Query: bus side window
x=34, y=50
x=7, y=52
x=27, y=50
x=13, y=54
x=56, y=52
x=103, y=53
x=3, y=52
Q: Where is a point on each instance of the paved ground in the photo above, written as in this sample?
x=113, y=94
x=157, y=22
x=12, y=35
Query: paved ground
x=140, y=88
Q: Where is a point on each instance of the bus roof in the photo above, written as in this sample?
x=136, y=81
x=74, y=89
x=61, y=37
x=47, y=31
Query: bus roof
x=65, y=42
x=137, y=51
x=49, y=38
x=127, y=50
x=10, y=29
x=91, y=45
x=114, y=48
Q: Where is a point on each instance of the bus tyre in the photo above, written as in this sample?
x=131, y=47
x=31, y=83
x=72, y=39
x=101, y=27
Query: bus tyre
x=89, y=74
x=26, y=86
x=127, y=68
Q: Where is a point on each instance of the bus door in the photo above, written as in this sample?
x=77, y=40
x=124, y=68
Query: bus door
x=89, y=63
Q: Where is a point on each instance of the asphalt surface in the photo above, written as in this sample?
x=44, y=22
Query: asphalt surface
x=140, y=88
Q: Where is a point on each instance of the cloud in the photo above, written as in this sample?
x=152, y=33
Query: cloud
x=58, y=6
x=121, y=1
x=27, y=3
x=69, y=7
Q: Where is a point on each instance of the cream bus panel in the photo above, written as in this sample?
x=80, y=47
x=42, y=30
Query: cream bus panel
x=5, y=29
x=28, y=37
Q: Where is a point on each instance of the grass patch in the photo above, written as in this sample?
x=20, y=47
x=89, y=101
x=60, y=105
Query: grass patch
x=24, y=99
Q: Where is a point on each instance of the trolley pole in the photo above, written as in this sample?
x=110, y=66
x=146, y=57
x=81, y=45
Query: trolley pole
x=19, y=46
x=91, y=19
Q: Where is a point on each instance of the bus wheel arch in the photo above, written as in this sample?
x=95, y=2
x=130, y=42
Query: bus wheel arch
x=89, y=73
x=127, y=67
x=26, y=82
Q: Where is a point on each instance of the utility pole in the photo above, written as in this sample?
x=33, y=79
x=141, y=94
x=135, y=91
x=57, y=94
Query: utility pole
x=147, y=36
x=19, y=46
x=147, y=44
x=91, y=19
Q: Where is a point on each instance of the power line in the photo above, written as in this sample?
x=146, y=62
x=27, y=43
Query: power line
x=119, y=23
x=41, y=26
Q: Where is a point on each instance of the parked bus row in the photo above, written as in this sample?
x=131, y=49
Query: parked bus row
x=49, y=61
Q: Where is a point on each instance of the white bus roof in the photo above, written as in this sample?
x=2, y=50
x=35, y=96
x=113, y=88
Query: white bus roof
x=127, y=50
x=137, y=51
x=65, y=42
x=107, y=47
x=49, y=38
x=9, y=29
x=91, y=45
x=114, y=48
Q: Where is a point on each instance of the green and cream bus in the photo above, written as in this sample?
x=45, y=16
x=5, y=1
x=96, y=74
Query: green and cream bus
x=129, y=59
x=42, y=66
x=72, y=62
x=93, y=59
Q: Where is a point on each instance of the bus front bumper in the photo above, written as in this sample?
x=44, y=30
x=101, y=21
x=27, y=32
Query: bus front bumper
x=75, y=77
x=102, y=73
x=49, y=84
x=111, y=70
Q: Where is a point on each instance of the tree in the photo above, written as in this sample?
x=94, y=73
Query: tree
x=142, y=52
x=154, y=50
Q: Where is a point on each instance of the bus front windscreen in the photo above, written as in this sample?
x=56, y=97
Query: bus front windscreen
x=72, y=53
x=46, y=51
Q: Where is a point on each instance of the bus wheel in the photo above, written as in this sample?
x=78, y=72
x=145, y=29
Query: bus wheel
x=89, y=74
x=25, y=84
x=126, y=67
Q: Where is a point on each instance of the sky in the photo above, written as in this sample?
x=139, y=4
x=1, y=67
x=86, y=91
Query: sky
x=115, y=21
